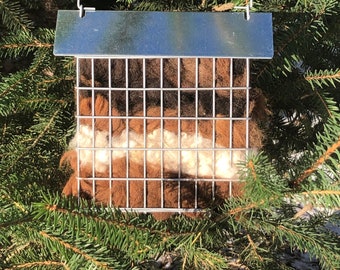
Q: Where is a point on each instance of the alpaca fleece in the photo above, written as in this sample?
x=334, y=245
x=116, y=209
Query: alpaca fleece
x=201, y=164
x=129, y=73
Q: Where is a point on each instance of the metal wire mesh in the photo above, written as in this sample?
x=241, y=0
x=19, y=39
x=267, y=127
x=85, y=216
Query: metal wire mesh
x=161, y=134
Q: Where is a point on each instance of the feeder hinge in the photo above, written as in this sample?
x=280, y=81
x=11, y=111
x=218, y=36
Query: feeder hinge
x=249, y=5
x=82, y=9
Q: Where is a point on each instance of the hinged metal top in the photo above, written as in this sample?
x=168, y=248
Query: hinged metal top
x=163, y=34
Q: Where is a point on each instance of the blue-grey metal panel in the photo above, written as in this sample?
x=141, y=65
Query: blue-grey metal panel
x=164, y=34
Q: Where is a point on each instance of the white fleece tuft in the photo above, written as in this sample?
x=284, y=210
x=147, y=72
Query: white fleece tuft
x=194, y=156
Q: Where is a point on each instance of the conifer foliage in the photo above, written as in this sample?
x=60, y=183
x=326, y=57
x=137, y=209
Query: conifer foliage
x=292, y=193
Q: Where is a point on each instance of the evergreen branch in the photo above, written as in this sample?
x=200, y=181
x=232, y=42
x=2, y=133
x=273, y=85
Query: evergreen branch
x=15, y=81
x=34, y=44
x=166, y=234
x=329, y=199
x=74, y=249
x=45, y=99
x=13, y=85
x=20, y=43
x=251, y=166
x=201, y=258
x=123, y=224
x=56, y=80
x=190, y=241
x=322, y=192
x=15, y=249
x=236, y=211
x=15, y=203
x=325, y=250
x=318, y=162
x=241, y=209
x=280, y=50
x=14, y=17
x=35, y=142
x=260, y=183
x=324, y=103
x=253, y=247
x=304, y=210
x=323, y=77
x=16, y=222
x=286, y=35
x=38, y=264
x=129, y=238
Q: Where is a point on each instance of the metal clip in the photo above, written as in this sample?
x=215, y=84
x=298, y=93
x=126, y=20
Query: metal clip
x=246, y=8
x=82, y=9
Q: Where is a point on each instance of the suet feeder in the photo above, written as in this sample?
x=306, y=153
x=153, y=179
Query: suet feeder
x=164, y=105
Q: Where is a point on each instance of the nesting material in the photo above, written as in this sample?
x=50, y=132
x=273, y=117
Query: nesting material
x=204, y=163
x=162, y=135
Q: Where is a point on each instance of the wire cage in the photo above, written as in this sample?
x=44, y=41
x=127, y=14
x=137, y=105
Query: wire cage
x=163, y=108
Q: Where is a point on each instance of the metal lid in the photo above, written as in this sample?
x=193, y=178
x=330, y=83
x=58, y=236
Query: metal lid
x=163, y=34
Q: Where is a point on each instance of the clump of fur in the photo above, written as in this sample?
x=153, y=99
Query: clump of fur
x=209, y=75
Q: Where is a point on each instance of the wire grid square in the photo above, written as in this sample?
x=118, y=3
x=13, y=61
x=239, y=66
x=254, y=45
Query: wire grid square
x=161, y=134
